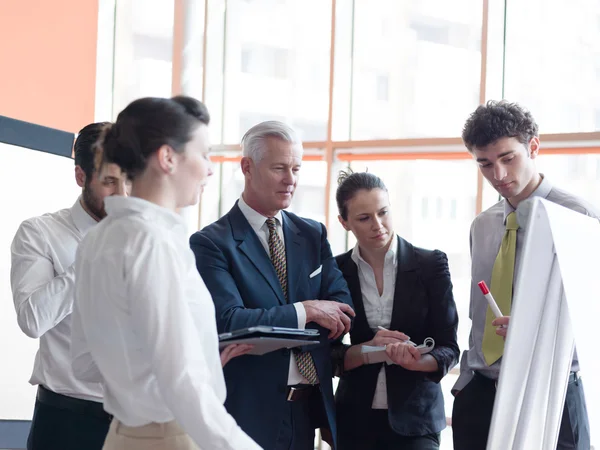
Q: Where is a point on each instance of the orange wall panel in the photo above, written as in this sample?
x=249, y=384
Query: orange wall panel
x=48, y=61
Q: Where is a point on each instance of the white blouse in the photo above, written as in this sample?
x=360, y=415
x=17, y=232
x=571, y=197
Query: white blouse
x=378, y=308
x=144, y=324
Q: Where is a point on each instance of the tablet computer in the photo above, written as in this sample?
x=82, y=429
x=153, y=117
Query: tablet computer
x=266, y=339
x=270, y=332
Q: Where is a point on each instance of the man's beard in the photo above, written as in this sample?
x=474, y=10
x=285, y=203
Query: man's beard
x=92, y=203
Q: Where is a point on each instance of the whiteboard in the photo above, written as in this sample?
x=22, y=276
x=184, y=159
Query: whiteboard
x=32, y=183
x=555, y=305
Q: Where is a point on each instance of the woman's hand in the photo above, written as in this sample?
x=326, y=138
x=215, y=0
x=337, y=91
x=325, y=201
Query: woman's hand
x=234, y=350
x=387, y=337
x=403, y=354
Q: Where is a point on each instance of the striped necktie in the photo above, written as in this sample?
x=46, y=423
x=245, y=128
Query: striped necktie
x=306, y=365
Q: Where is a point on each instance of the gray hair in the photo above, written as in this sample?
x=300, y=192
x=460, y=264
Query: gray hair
x=253, y=142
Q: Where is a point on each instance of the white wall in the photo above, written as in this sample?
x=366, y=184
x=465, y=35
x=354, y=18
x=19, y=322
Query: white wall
x=31, y=183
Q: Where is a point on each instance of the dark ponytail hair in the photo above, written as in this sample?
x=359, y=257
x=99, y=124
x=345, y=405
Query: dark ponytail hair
x=349, y=183
x=147, y=124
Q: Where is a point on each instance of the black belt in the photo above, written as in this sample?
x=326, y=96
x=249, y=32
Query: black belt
x=301, y=392
x=573, y=377
x=76, y=405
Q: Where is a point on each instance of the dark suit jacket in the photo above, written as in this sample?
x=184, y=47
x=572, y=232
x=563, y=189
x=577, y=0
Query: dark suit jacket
x=246, y=292
x=423, y=307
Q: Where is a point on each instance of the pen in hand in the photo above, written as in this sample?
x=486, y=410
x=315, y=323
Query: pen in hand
x=490, y=299
x=385, y=329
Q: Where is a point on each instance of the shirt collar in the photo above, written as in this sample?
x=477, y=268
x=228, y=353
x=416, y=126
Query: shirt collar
x=81, y=218
x=254, y=218
x=543, y=190
x=118, y=206
x=391, y=253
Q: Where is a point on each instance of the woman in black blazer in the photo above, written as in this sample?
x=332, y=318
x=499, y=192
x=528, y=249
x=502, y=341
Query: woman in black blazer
x=400, y=292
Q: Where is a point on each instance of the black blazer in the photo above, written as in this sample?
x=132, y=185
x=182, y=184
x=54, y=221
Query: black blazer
x=423, y=307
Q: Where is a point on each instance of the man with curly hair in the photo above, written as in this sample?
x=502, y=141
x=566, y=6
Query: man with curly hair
x=503, y=139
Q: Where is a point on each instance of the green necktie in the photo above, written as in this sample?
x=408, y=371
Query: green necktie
x=501, y=288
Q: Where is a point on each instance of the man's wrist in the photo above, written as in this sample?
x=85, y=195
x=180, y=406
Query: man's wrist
x=308, y=309
x=301, y=315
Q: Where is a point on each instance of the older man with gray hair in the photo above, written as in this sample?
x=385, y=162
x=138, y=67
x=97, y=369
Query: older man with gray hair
x=266, y=266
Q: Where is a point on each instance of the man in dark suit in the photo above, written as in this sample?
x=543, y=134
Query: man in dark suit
x=265, y=266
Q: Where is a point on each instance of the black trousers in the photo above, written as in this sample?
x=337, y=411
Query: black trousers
x=473, y=407
x=378, y=435
x=299, y=421
x=55, y=427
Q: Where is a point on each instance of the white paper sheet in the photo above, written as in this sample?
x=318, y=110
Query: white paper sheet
x=555, y=302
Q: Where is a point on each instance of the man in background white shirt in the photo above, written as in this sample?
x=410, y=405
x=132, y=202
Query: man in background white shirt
x=68, y=412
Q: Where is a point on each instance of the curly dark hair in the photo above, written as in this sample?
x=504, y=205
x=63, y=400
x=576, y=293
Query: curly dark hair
x=496, y=120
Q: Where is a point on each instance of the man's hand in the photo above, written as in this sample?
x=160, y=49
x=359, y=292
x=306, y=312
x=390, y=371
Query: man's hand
x=385, y=337
x=502, y=324
x=234, y=350
x=402, y=354
x=329, y=314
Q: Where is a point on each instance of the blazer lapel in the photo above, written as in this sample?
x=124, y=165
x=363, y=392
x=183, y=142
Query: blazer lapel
x=406, y=284
x=250, y=245
x=295, y=248
x=350, y=271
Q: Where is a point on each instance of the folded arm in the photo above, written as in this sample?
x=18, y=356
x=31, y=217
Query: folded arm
x=232, y=313
x=42, y=299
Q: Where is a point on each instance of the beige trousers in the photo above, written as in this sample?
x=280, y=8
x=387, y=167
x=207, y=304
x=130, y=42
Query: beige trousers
x=154, y=436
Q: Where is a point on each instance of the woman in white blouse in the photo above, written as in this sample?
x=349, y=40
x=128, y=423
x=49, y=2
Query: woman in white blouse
x=143, y=321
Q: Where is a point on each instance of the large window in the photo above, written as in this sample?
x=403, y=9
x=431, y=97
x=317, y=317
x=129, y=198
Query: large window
x=412, y=68
x=555, y=73
x=277, y=65
x=143, y=60
x=579, y=174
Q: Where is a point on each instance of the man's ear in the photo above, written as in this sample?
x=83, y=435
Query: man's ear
x=534, y=147
x=80, y=176
x=245, y=165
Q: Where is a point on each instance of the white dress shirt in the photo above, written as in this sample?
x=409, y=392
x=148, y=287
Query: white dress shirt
x=43, y=278
x=378, y=308
x=145, y=322
x=258, y=222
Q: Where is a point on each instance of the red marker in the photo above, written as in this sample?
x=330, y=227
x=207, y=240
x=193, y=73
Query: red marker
x=490, y=299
